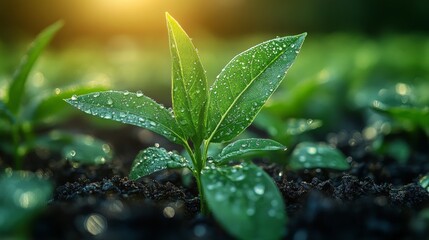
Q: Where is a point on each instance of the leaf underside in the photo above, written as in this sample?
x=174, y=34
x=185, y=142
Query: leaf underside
x=245, y=200
x=246, y=83
x=154, y=159
x=131, y=108
x=189, y=84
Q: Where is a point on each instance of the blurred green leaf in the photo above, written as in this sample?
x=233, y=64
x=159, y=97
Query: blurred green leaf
x=79, y=148
x=17, y=87
x=279, y=129
x=4, y=111
x=424, y=182
x=130, y=108
x=246, y=83
x=189, y=81
x=317, y=155
x=409, y=117
x=23, y=195
x=245, y=201
x=154, y=159
x=247, y=147
x=299, y=126
x=51, y=107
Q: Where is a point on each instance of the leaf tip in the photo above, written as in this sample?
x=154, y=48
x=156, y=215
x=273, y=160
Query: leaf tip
x=169, y=17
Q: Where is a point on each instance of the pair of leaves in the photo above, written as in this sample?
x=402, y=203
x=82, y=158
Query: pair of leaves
x=239, y=92
x=254, y=206
x=154, y=159
x=218, y=114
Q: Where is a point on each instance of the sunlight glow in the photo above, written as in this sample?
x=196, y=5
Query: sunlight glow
x=118, y=5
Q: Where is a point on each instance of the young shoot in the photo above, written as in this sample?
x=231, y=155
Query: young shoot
x=241, y=196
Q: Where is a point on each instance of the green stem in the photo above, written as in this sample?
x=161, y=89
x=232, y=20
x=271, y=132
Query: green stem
x=191, y=154
x=203, y=205
x=17, y=156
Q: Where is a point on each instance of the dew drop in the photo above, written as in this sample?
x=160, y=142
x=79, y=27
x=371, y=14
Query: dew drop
x=74, y=98
x=219, y=196
x=139, y=94
x=72, y=153
x=109, y=101
x=106, y=148
x=250, y=211
x=311, y=150
x=97, y=94
x=272, y=213
x=259, y=189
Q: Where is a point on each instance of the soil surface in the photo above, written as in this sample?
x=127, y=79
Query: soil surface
x=378, y=198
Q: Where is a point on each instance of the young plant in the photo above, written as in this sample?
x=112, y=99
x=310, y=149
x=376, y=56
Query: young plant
x=21, y=113
x=242, y=197
x=304, y=155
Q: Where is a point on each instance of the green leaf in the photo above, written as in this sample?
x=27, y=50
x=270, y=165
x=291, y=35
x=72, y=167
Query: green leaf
x=283, y=131
x=51, y=108
x=245, y=201
x=131, y=108
x=317, y=155
x=79, y=148
x=409, y=116
x=246, y=147
x=4, y=111
x=154, y=159
x=246, y=83
x=17, y=87
x=299, y=126
x=23, y=195
x=270, y=123
x=85, y=149
x=424, y=182
x=189, y=83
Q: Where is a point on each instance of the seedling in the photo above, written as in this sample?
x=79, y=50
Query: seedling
x=305, y=155
x=242, y=197
x=21, y=113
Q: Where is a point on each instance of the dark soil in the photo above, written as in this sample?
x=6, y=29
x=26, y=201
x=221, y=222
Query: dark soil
x=377, y=198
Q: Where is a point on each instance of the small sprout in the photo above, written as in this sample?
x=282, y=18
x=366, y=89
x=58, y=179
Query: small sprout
x=23, y=118
x=242, y=197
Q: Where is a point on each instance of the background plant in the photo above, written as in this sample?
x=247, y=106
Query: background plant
x=21, y=113
x=251, y=205
x=24, y=195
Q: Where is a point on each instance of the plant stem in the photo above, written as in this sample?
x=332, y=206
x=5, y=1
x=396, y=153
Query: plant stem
x=17, y=156
x=203, y=206
x=199, y=164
